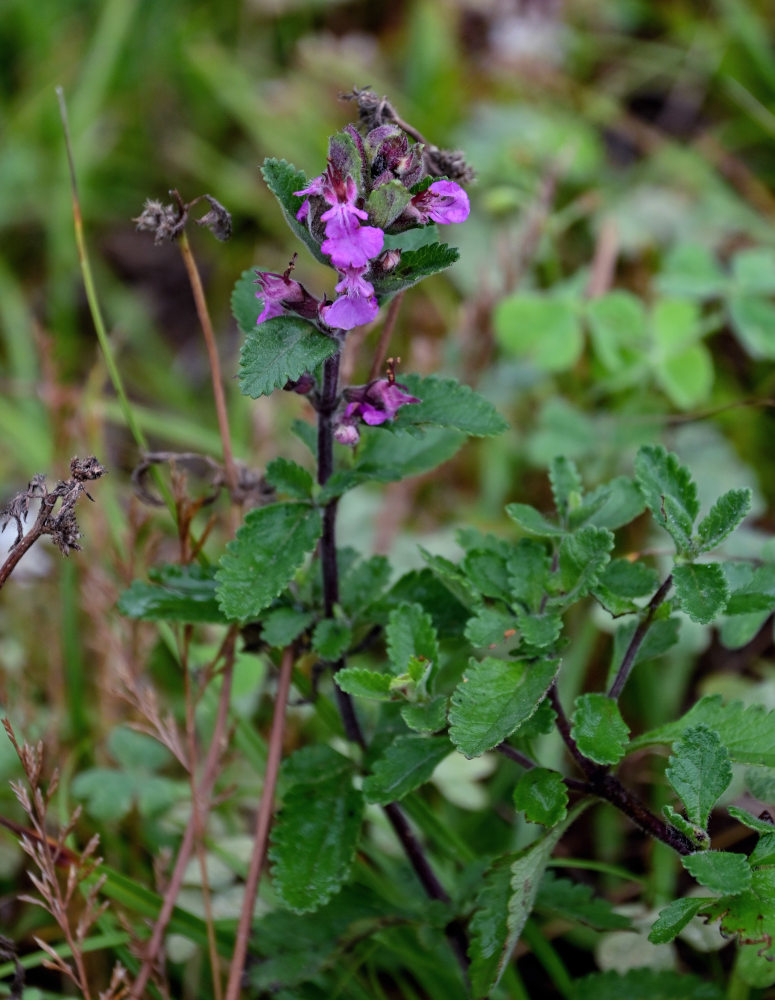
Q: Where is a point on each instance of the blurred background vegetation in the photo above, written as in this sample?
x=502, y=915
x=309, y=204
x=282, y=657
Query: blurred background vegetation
x=615, y=286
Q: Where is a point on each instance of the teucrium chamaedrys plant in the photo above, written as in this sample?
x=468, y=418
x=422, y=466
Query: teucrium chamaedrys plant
x=460, y=658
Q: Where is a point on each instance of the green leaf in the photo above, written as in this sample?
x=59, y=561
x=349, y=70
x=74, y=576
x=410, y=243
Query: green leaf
x=283, y=179
x=617, y=324
x=385, y=456
x=675, y=325
x=752, y=822
x=749, y=915
x=611, y=505
x=674, y=917
x=598, y=728
x=488, y=572
x=426, y=717
x=488, y=627
x=753, y=270
x=757, y=594
x=448, y=403
x=331, y=638
x=426, y=588
x=245, y=304
x=629, y=579
x=289, y=477
x=361, y=585
x=413, y=267
x=764, y=852
x=406, y=764
x=263, y=558
x=702, y=590
x=539, y=630
x=669, y=492
x=280, y=626
x=503, y=905
x=279, y=349
x=753, y=320
x=312, y=764
x=456, y=582
x=529, y=573
x=494, y=698
x=696, y=834
x=661, y=636
x=582, y=558
x=645, y=984
x=533, y=522
x=699, y=772
x=691, y=270
x=748, y=733
x=760, y=783
x=542, y=796
x=686, y=378
x=364, y=683
x=181, y=594
x=720, y=871
x=544, y=331
x=567, y=488
x=724, y=516
x=314, y=840
x=410, y=633
x=574, y=901
x=387, y=202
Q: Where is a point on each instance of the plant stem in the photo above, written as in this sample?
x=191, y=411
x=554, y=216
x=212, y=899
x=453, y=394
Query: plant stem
x=628, y=660
x=263, y=822
x=205, y=322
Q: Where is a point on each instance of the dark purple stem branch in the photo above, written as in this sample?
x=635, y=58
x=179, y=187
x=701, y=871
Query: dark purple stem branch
x=637, y=639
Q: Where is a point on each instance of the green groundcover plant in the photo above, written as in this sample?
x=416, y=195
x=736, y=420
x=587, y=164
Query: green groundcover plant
x=457, y=660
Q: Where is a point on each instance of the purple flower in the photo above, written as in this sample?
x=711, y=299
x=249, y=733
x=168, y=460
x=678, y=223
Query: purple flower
x=353, y=249
x=349, y=311
x=281, y=294
x=373, y=404
x=443, y=201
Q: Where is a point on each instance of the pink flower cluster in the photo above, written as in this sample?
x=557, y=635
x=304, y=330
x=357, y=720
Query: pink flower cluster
x=372, y=404
x=351, y=247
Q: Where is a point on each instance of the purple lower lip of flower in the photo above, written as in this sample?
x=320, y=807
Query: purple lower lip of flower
x=444, y=202
x=354, y=249
x=349, y=311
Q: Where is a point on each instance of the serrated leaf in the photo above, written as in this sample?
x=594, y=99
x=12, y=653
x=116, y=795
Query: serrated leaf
x=574, y=901
x=757, y=594
x=542, y=796
x=456, y=582
x=331, y=638
x=289, y=477
x=387, y=202
x=645, y=984
x=674, y=917
x=753, y=320
x=669, y=491
x=280, y=626
x=764, y=852
x=748, y=733
x=489, y=626
x=426, y=717
x=533, y=522
x=598, y=728
x=410, y=633
x=696, y=834
x=720, y=871
x=385, y=456
x=494, y=698
x=362, y=585
x=364, y=683
x=181, y=594
x=540, y=630
x=279, y=349
x=750, y=915
x=503, y=905
x=529, y=573
x=406, y=764
x=245, y=305
x=582, y=558
x=413, y=267
x=760, y=783
x=445, y=402
x=282, y=179
x=311, y=764
x=314, y=838
x=488, y=572
x=702, y=591
x=566, y=485
x=269, y=547
x=545, y=331
x=722, y=519
x=699, y=772
x=611, y=505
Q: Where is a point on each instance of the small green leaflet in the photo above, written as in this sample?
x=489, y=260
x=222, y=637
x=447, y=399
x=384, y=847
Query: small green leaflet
x=582, y=558
x=611, y=505
x=331, y=638
x=245, y=305
x=574, y=901
x=448, y=403
x=426, y=717
x=406, y=764
x=290, y=478
x=598, y=728
x=364, y=683
x=699, y=772
x=280, y=626
x=282, y=179
x=488, y=627
x=702, y=590
x=263, y=558
x=494, y=698
x=279, y=349
x=566, y=485
x=178, y=594
x=674, y=917
x=722, y=519
x=410, y=633
x=669, y=492
x=748, y=733
x=532, y=521
x=542, y=796
x=314, y=840
x=719, y=871
x=413, y=267
x=750, y=915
